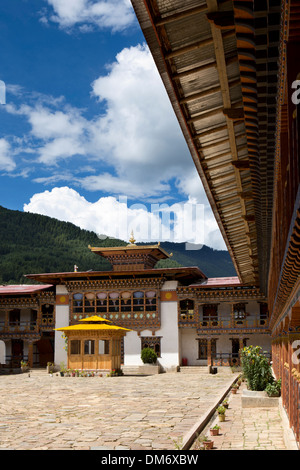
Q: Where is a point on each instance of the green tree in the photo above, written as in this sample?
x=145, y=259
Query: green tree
x=256, y=368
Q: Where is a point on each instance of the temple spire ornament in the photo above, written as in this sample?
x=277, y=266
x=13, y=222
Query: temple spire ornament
x=132, y=239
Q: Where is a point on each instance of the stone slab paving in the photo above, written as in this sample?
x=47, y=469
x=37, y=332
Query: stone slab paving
x=248, y=428
x=44, y=412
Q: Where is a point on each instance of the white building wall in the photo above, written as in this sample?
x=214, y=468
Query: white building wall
x=168, y=332
x=224, y=344
x=189, y=347
x=189, y=344
x=62, y=313
x=132, y=349
x=170, y=336
x=2, y=352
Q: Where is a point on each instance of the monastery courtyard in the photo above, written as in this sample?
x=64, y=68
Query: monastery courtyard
x=43, y=412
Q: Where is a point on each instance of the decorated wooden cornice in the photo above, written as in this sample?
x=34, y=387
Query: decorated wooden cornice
x=31, y=336
x=132, y=256
x=289, y=278
x=220, y=294
x=285, y=336
x=46, y=297
x=30, y=301
x=128, y=283
x=19, y=302
x=232, y=331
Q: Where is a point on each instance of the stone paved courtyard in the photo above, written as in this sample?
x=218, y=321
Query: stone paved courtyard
x=249, y=428
x=41, y=412
x=129, y=412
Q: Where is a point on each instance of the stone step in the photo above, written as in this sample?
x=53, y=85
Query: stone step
x=146, y=369
x=42, y=371
x=194, y=370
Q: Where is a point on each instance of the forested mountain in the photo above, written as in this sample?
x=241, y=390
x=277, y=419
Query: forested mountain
x=32, y=243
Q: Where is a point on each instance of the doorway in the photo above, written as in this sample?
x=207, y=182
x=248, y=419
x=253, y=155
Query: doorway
x=235, y=348
x=44, y=350
x=16, y=352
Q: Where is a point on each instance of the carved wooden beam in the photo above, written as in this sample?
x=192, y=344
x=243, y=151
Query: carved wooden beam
x=234, y=113
x=249, y=218
x=180, y=15
x=241, y=164
x=221, y=19
x=245, y=195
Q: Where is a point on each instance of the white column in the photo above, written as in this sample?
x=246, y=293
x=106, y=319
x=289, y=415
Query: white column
x=170, y=345
x=62, y=318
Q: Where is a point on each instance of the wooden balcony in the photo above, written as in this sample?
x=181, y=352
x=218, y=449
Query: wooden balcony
x=228, y=322
x=225, y=322
x=229, y=359
x=26, y=326
x=21, y=327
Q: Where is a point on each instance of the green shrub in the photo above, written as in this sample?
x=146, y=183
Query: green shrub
x=256, y=368
x=273, y=389
x=221, y=410
x=148, y=356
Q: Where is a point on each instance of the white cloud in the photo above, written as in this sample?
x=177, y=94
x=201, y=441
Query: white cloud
x=134, y=146
x=50, y=125
x=116, y=218
x=58, y=134
x=116, y=15
x=139, y=131
x=6, y=161
x=137, y=135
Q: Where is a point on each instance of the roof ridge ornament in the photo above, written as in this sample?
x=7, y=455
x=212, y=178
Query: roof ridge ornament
x=132, y=239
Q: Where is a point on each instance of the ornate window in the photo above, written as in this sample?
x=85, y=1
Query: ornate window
x=202, y=348
x=75, y=346
x=103, y=346
x=186, y=309
x=89, y=346
x=210, y=315
x=151, y=342
x=47, y=315
x=263, y=313
x=239, y=312
x=14, y=317
x=114, y=305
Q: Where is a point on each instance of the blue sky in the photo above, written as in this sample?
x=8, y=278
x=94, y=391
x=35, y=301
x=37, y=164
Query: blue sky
x=87, y=129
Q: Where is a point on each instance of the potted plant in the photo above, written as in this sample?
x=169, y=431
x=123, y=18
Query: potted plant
x=115, y=373
x=62, y=369
x=221, y=412
x=50, y=367
x=24, y=366
x=215, y=430
x=234, y=388
x=225, y=403
x=208, y=444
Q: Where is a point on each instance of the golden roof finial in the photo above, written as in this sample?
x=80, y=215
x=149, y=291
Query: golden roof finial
x=132, y=239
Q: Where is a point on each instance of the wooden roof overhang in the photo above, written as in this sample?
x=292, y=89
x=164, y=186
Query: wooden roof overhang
x=94, y=323
x=218, y=62
x=155, y=250
x=183, y=275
